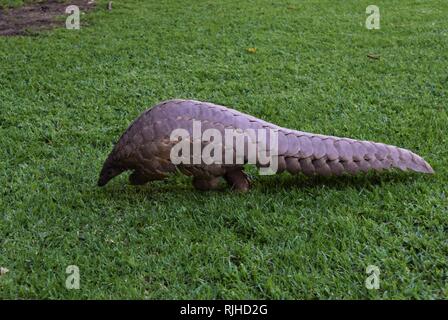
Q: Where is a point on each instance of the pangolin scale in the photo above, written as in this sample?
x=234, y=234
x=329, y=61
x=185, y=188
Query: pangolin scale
x=145, y=148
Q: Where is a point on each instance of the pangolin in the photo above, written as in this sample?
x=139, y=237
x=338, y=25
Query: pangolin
x=145, y=149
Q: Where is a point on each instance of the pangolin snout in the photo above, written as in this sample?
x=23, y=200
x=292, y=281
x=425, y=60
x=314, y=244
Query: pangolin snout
x=102, y=182
x=108, y=172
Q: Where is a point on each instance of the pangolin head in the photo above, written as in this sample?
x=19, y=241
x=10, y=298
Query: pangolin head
x=111, y=169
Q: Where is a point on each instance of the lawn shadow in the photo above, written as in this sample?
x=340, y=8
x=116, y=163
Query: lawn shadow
x=181, y=187
x=280, y=183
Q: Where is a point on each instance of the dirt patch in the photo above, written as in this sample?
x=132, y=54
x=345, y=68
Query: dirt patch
x=34, y=17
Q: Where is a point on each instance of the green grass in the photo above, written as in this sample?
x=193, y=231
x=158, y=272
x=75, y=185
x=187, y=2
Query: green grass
x=67, y=95
x=11, y=3
x=18, y=3
x=15, y=3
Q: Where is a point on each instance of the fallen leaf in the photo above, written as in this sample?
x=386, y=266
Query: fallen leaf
x=373, y=56
x=3, y=271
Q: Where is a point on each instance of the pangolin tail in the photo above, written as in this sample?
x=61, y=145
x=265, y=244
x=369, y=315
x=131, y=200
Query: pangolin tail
x=327, y=155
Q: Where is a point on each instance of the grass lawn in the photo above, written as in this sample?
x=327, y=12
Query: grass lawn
x=67, y=95
x=17, y=3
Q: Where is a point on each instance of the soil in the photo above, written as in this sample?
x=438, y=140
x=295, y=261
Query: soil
x=28, y=19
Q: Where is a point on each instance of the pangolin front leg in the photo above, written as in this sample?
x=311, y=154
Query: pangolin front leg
x=148, y=144
x=138, y=178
